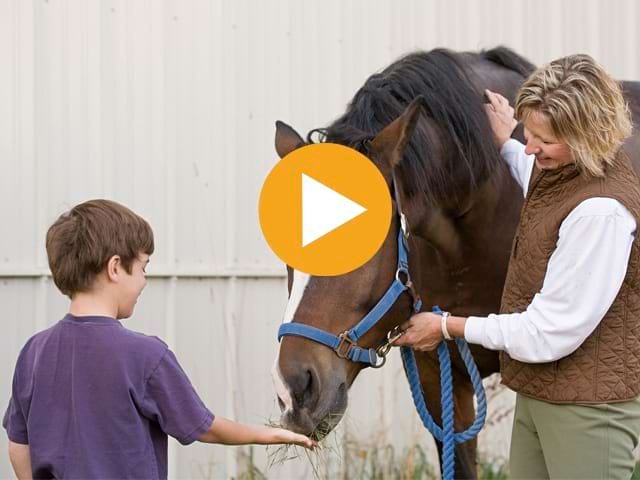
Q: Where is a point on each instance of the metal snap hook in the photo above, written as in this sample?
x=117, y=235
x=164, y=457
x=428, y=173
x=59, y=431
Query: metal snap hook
x=394, y=334
x=386, y=346
x=384, y=349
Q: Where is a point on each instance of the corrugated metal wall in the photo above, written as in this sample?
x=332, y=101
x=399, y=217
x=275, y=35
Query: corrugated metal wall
x=169, y=107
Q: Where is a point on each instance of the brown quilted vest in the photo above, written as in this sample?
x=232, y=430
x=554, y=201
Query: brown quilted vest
x=606, y=367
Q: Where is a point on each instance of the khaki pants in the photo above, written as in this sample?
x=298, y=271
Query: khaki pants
x=574, y=441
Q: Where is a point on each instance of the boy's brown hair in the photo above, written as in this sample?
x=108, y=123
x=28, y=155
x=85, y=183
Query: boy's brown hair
x=82, y=240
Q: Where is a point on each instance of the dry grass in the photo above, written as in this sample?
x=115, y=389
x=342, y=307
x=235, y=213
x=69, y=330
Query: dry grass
x=317, y=458
x=380, y=461
x=342, y=457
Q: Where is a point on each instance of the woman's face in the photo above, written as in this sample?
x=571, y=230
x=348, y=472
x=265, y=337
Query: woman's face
x=542, y=143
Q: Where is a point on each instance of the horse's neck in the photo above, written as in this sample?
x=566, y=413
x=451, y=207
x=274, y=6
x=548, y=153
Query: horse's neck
x=463, y=261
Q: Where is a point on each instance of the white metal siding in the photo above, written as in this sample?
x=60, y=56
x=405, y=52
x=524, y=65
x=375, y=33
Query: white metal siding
x=169, y=107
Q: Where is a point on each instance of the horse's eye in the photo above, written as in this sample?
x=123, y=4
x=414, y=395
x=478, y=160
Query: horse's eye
x=460, y=215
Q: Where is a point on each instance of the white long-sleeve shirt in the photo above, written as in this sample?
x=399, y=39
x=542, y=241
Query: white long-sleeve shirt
x=583, y=277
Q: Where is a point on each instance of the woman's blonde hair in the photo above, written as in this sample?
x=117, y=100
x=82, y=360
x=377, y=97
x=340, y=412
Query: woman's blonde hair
x=584, y=107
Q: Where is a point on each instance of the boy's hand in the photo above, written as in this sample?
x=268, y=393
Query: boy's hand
x=281, y=435
x=228, y=432
x=501, y=117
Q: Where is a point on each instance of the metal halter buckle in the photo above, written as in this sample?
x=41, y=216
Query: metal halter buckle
x=407, y=283
x=345, y=345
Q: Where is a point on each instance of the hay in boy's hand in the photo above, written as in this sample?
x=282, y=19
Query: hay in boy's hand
x=328, y=444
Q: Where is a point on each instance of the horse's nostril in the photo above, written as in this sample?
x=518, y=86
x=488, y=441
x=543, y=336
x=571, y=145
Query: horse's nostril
x=305, y=393
x=281, y=404
x=303, y=386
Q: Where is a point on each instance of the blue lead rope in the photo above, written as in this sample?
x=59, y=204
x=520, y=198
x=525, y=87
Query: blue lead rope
x=446, y=434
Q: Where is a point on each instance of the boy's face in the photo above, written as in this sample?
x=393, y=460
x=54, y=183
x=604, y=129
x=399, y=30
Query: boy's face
x=131, y=286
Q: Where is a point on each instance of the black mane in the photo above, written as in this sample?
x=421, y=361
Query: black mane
x=452, y=102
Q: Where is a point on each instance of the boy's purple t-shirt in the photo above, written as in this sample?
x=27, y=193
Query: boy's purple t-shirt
x=96, y=400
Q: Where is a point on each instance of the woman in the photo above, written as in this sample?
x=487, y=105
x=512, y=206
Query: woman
x=569, y=322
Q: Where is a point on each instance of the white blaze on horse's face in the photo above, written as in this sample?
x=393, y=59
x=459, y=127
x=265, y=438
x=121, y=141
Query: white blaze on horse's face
x=300, y=281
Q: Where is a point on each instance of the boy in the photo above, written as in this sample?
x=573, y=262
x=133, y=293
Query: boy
x=90, y=398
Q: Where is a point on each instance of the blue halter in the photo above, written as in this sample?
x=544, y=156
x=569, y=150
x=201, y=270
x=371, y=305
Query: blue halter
x=346, y=344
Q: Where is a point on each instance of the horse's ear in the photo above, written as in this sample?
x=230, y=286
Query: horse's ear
x=289, y=279
x=287, y=139
x=392, y=140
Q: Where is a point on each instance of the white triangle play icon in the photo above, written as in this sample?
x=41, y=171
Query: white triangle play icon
x=324, y=210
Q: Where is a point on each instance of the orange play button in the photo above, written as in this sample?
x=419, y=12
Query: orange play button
x=325, y=209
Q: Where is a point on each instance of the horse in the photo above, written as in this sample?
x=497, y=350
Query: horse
x=422, y=121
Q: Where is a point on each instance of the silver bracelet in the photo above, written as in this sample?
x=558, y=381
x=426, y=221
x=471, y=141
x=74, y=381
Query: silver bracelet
x=443, y=325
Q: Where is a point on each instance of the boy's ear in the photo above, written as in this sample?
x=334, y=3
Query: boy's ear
x=287, y=139
x=391, y=141
x=114, y=267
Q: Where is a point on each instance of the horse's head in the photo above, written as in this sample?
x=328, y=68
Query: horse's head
x=312, y=380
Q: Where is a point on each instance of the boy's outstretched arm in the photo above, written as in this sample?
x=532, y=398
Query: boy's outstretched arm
x=20, y=460
x=229, y=432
